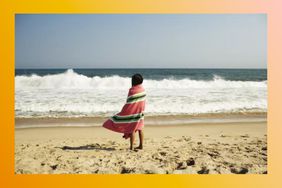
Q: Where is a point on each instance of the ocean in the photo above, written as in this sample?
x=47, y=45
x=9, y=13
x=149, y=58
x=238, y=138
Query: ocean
x=102, y=92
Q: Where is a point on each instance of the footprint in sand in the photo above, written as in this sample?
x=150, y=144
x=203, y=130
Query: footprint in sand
x=190, y=162
x=204, y=170
x=182, y=165
x=162, y=153
x=245, y=136
x=239, y=170
x=264, y=148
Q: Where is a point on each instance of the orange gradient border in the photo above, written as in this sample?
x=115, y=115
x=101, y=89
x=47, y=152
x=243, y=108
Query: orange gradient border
x=8, y=9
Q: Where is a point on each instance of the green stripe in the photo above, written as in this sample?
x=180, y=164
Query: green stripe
x=136, y=100
x=117, y=117
x=136, y=96
x=126, y=121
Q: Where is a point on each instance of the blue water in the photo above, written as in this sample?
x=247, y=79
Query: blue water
x=159, y=74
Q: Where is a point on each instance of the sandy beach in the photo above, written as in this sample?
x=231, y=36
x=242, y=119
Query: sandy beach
x=198, y=83
x=199, y=148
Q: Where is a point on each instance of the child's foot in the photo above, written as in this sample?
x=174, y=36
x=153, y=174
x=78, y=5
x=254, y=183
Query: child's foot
x=139, y=147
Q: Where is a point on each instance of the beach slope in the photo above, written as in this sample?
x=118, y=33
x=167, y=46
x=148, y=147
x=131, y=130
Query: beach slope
x=208, y=148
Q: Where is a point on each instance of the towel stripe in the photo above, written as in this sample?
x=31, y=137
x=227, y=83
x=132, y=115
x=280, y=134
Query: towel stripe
x=135, y=97
x=136, y=100
x=132, y=118
x=128, y=117
x=126, y=121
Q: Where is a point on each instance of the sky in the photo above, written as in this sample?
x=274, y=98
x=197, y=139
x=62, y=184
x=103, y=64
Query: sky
x=141, y=41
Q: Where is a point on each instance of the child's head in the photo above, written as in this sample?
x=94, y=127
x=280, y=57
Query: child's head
x=136, y=79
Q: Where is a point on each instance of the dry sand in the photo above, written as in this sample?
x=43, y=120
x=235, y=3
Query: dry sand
x=207, y=148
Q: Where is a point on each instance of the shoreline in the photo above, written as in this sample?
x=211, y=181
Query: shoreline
x=157, y=120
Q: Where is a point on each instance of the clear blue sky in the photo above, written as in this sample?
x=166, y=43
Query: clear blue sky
x=141, y=41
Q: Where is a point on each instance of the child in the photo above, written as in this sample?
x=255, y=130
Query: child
x=131, y=117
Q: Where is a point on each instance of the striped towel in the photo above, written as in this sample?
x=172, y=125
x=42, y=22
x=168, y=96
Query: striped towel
x=131, y=117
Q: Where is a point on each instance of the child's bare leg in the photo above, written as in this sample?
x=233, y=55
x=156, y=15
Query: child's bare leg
x=141, y=138
x=132, y=138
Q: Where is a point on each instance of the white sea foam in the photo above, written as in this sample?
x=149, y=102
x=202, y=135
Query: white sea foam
x=72, y=94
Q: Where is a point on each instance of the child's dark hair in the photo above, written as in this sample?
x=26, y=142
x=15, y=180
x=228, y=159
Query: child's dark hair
x=136, y=79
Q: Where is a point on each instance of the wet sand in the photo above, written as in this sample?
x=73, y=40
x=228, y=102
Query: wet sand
x=202, y=148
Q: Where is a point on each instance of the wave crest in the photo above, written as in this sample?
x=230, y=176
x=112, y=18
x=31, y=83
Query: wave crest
x=73, y=80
